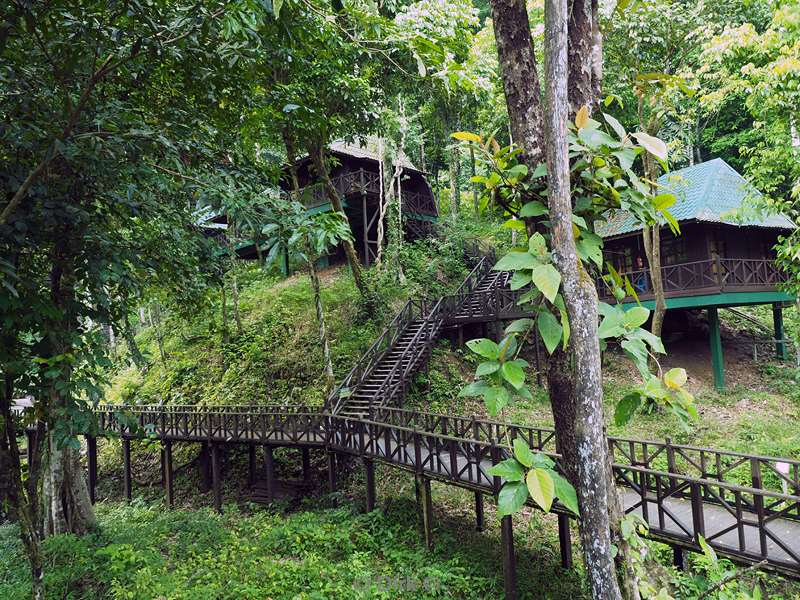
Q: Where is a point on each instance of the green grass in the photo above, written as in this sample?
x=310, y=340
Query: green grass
x=144, y=552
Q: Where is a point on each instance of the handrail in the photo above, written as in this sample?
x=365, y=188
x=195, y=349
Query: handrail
x=718, y=272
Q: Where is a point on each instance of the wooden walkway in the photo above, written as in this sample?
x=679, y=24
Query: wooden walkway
x=746, y=507
x=734, y=501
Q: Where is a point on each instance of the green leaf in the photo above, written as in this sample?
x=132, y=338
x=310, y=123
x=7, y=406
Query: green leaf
x=538, y=246
x=636, y=317
x=517, y=171
x=476, y=388
x=637, y=351
x=663, y=201
x=539, y=171
x=513, y=374
x=466, y=136
x=519, y=326
x=565, y=492
x=516, y=260
x=485, y=348
x=547, y=279
x=496, y=398
x=615, y=125
x=523, y=453
x=511, y=498
x=541, y=487
x=653, y=145
x=550, y=330
x=533, y=209
x=675, y=378
x=509, y=469
x=486, y=368
x=626, y=407
x=519, y=280
x=276, y=7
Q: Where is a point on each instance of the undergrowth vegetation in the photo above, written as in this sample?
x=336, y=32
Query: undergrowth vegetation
x=143, y=552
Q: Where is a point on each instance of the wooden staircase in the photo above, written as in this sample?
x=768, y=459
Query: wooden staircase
x=383, y=375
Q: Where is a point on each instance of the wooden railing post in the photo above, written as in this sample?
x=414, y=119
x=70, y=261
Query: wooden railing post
x=126, y=468
x=698, y=517
x=758, y=502
x=91, y=450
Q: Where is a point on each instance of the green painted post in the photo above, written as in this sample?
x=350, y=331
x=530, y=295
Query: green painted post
x=781, y=351
x=717, y=364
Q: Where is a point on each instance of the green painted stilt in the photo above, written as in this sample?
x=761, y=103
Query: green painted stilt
x=717, y=362
x=781, y=351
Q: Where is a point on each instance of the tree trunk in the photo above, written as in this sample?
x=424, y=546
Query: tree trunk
x=323, y=333
x=155, y=323
x=225, y=329
x=455, y=193
x=23, y=498
x=580, y=297
x=69, y=506
x=133, y=347
x=520, y=78
x=652, y=248
x=235, y=304
x=475, y=202
x=318, y=156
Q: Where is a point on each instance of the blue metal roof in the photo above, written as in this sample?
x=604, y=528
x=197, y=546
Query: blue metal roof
x=711, y=191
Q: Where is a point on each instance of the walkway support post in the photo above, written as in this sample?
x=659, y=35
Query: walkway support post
x=306, y=456
x=126, y=466
x=269, y=472
x=332, y=471
x=679, y=558
x=205, y=467
x=216, y=476
x=479, y=521
x=717, y=362
x=425, y=506
x=781, y=351
x=91, y=451
x=565, y=541
x=369, y=470
x=168, y=487
x=251, y=464
x=509, y=559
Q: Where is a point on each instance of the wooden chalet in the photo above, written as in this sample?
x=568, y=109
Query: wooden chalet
x=355, y=173
x=720, y=259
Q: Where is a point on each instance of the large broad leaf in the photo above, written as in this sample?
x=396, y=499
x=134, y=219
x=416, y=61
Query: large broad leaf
x=519, y=326
x=637, y=352
x=509, y=469
x=653, y=145
x=476, y=388
x=565, y=492
x=519, y=280
x=496, y=398
x=538, y=246
x=626, y=407
x=513, y=374
x=582, y=117
x=541, y=487
x=533, y=209
x=485, y=348
x=616, y=126
x=523, y=453
x=487, y=368
x=547, y=279
x=516, y=260
x=466, y=136
x=550, y=330
x=512, y=497
x=675, y=378
x=636, y=316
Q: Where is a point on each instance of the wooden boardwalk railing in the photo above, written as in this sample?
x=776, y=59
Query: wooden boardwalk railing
x=747, y=507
